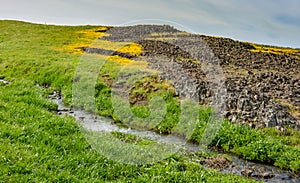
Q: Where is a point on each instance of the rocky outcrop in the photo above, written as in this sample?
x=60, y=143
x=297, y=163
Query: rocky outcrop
x=262, y=89
x=136, y=33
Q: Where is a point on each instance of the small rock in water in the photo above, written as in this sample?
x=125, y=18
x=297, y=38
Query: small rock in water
x=254, y=174
x=267, y=175
x=247, y=172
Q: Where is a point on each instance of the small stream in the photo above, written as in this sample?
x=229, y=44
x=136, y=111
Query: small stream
x=236, y=166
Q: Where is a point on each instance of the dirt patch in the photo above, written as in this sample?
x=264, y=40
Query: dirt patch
x=218, y=163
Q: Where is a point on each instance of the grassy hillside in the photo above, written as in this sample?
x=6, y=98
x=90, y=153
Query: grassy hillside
x=39, y=146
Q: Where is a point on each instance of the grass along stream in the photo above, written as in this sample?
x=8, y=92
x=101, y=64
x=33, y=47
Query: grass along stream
x=231, y=164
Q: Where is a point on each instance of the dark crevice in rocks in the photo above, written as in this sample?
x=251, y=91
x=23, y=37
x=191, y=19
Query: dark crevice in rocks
x=107, y=52
x=103, y=30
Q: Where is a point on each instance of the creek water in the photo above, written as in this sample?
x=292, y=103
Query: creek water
x=238, y=166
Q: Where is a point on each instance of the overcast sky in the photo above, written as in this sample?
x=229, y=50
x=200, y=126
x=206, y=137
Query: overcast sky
x=275, y=22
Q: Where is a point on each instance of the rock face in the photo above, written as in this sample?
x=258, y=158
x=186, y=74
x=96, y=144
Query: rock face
x=261, y=89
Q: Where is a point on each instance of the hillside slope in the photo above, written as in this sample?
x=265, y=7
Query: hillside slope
x=262, y=83
x=261, y=86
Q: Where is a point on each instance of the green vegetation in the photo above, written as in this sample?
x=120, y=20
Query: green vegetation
x=260, y=145
x=39, y=146
x=129, y=138
x=266, y=145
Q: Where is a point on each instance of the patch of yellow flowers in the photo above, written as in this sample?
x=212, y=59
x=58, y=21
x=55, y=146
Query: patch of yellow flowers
x=91, y=38
x=275, y=50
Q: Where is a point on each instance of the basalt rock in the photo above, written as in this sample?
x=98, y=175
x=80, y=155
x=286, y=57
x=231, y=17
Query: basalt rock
x=261, y=89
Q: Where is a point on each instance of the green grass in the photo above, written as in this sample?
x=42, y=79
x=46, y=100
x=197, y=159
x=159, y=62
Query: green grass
x=28, y=51
x=266, y=145
x=39, y=146
x=258, y=146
